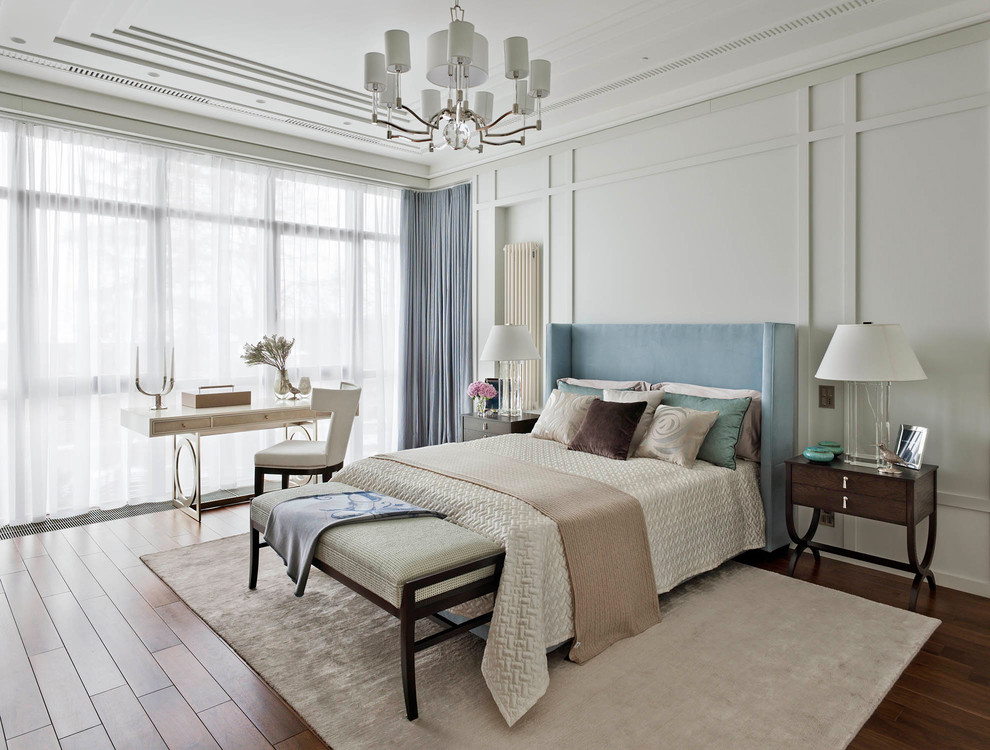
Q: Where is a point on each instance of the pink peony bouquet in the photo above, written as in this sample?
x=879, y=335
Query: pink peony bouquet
x=481, y=389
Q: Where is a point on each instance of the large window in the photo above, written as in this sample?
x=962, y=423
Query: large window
x=108, y=244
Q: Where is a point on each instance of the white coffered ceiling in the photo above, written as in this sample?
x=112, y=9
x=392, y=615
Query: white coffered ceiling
x=295, y=66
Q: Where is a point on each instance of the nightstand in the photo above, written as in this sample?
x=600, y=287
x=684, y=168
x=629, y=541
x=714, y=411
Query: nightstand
x=905, y=500
x=474, y=427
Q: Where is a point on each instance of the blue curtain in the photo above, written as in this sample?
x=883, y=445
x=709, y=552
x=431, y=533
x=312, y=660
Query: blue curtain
x=435, y=246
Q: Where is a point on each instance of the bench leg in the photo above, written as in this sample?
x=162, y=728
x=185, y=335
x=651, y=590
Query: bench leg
x=255, y=542
x=259, y=481
x=285, y=481
x=407, y=633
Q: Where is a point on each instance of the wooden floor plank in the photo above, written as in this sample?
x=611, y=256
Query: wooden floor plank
x=112, y=547
x=125, y=720
x=91, y=739
x=81, y=541
x=40, y=739
x=10, y=557
x=66, y=698
x=191, y=678
x=275, y=720
x=232, y=729
x=32, y=545
x=45, y=575
x=93, y=662
x=139, y=614
x=75, y=574
x=129, y=535
x=176, y=722
x=303, y=741
x=150, y=586
x=35, y=626
x=132, y=657
x=197, y=536
x=221, y=525
x=21, y=706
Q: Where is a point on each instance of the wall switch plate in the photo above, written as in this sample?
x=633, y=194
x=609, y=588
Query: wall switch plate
x=827, y=518
x=826, y=397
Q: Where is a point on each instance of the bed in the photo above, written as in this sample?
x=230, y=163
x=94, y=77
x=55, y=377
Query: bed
x=695, y=518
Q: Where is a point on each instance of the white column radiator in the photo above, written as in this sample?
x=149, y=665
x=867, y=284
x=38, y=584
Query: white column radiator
x=523, y=306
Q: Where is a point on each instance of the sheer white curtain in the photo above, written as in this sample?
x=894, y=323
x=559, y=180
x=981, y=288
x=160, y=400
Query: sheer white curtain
x=107, y=244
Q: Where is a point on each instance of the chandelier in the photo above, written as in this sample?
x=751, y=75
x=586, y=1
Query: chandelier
x=457, y=60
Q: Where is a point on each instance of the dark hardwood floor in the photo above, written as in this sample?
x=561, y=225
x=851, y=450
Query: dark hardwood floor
x=96, y=652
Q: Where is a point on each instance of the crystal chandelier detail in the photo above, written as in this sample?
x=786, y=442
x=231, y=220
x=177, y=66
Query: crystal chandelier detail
x=457, y=60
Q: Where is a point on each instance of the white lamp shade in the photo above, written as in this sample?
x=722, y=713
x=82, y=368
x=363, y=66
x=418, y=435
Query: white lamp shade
x=374, y=71
x=524, y=101
x=870, y=352
x=439, y=69
x=388, y=95
x=484, y=105
x=508, y=344
x=516, y=57
x=397, y=51
x=460, y=41
x=539, y=79
x=430, y=103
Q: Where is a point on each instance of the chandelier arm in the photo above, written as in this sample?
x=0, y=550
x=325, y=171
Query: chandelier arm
x=393, y=136
x=520, y=141
x=496, y=122
x=413, y=113
x=393, y=126
x=513, y=132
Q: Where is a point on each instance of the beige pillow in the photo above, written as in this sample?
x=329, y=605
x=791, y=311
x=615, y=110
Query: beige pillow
x=562, y=416
x=676, y=434
x=652, y=399
x=752, y=424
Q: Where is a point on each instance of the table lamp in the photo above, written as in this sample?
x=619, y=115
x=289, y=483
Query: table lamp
x=869, y=357
x=509, y=346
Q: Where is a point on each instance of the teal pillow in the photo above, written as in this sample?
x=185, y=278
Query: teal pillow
x=584, y=390
x=719, y=447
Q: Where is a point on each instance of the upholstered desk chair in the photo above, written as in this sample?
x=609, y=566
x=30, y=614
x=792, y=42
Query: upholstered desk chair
x=294, y=457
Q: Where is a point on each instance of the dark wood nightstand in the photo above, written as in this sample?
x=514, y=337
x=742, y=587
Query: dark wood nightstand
x=905, y=500
x=474, y=427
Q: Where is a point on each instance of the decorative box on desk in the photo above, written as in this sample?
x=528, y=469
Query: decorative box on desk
x=905, y=499
x=474, y=427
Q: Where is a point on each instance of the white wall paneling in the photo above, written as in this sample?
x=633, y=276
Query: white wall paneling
x=863, y=195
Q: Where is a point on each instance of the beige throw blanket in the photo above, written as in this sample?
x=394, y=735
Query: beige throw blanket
x=602, y=529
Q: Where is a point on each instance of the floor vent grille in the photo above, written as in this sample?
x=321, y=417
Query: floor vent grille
x=84, y=519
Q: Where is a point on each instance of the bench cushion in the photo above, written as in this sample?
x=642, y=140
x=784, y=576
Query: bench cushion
x=383, y=555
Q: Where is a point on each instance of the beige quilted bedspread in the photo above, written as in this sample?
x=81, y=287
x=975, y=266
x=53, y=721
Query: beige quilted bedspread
x=695, y=520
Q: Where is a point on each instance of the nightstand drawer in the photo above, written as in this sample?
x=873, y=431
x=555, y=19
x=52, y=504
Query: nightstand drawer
x=850, y=482
x=475, y=435
x=863, y=506
x=487, y=426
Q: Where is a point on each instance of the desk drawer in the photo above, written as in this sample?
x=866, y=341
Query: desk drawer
x=277, y=417
x=850, y=482
x=863, y=506
x=171, y=426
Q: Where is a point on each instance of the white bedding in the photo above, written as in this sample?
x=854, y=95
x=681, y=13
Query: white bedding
x=695, y=518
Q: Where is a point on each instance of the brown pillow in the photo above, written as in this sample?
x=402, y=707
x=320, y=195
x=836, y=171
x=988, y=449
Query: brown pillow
x=608, y=429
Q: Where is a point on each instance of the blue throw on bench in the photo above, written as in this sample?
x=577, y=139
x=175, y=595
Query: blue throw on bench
x=294, y=525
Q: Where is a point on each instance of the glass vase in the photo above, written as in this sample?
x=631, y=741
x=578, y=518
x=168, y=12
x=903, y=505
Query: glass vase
x=283, y=388
x=480, y=402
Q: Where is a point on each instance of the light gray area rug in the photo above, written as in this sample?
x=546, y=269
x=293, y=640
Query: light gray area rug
x=744, y=659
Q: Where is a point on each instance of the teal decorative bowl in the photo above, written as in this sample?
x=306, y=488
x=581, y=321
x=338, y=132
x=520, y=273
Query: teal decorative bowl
x=829, y=445
x=818, y=455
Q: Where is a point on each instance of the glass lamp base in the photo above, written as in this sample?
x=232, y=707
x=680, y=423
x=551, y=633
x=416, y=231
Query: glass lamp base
x=867, y=423
x=510, y=388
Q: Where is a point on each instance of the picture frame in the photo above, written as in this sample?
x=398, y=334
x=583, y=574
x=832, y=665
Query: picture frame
x=911, y=445
x=493, y=402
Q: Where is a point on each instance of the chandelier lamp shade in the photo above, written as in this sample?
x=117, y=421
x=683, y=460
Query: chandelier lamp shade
x=457, y=62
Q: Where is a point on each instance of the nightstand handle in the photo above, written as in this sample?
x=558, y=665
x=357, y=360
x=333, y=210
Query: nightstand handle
x=844, y=500
x=484, y=425
x=844, y=481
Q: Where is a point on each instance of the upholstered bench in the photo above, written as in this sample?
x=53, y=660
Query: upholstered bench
x=410, y=567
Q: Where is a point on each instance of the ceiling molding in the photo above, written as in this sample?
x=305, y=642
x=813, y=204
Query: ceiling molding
x=176, y=93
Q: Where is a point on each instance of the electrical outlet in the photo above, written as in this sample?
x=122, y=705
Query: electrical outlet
x=826, y=397
x=827, y=518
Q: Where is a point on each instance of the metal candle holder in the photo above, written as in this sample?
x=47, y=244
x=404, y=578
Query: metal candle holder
x=168, y=380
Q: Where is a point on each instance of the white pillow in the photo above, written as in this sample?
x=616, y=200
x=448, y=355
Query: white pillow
x=562, y=416
x=652, y=399
x=676, y=434
x=619, y=385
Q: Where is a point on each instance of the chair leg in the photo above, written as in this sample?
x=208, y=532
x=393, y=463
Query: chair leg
x=259, y=480
x=327, y=474
x=407, y=633
x=255, y=542
x=285, y=481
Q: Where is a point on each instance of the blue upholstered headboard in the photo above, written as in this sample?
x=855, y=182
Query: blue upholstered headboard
x=759, y=356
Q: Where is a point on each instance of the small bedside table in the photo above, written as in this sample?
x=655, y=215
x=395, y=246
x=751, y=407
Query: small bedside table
x=858, y=491
x=474, y=427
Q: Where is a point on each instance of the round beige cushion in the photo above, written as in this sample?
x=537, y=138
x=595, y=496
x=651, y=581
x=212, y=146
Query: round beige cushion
x=384, y=555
